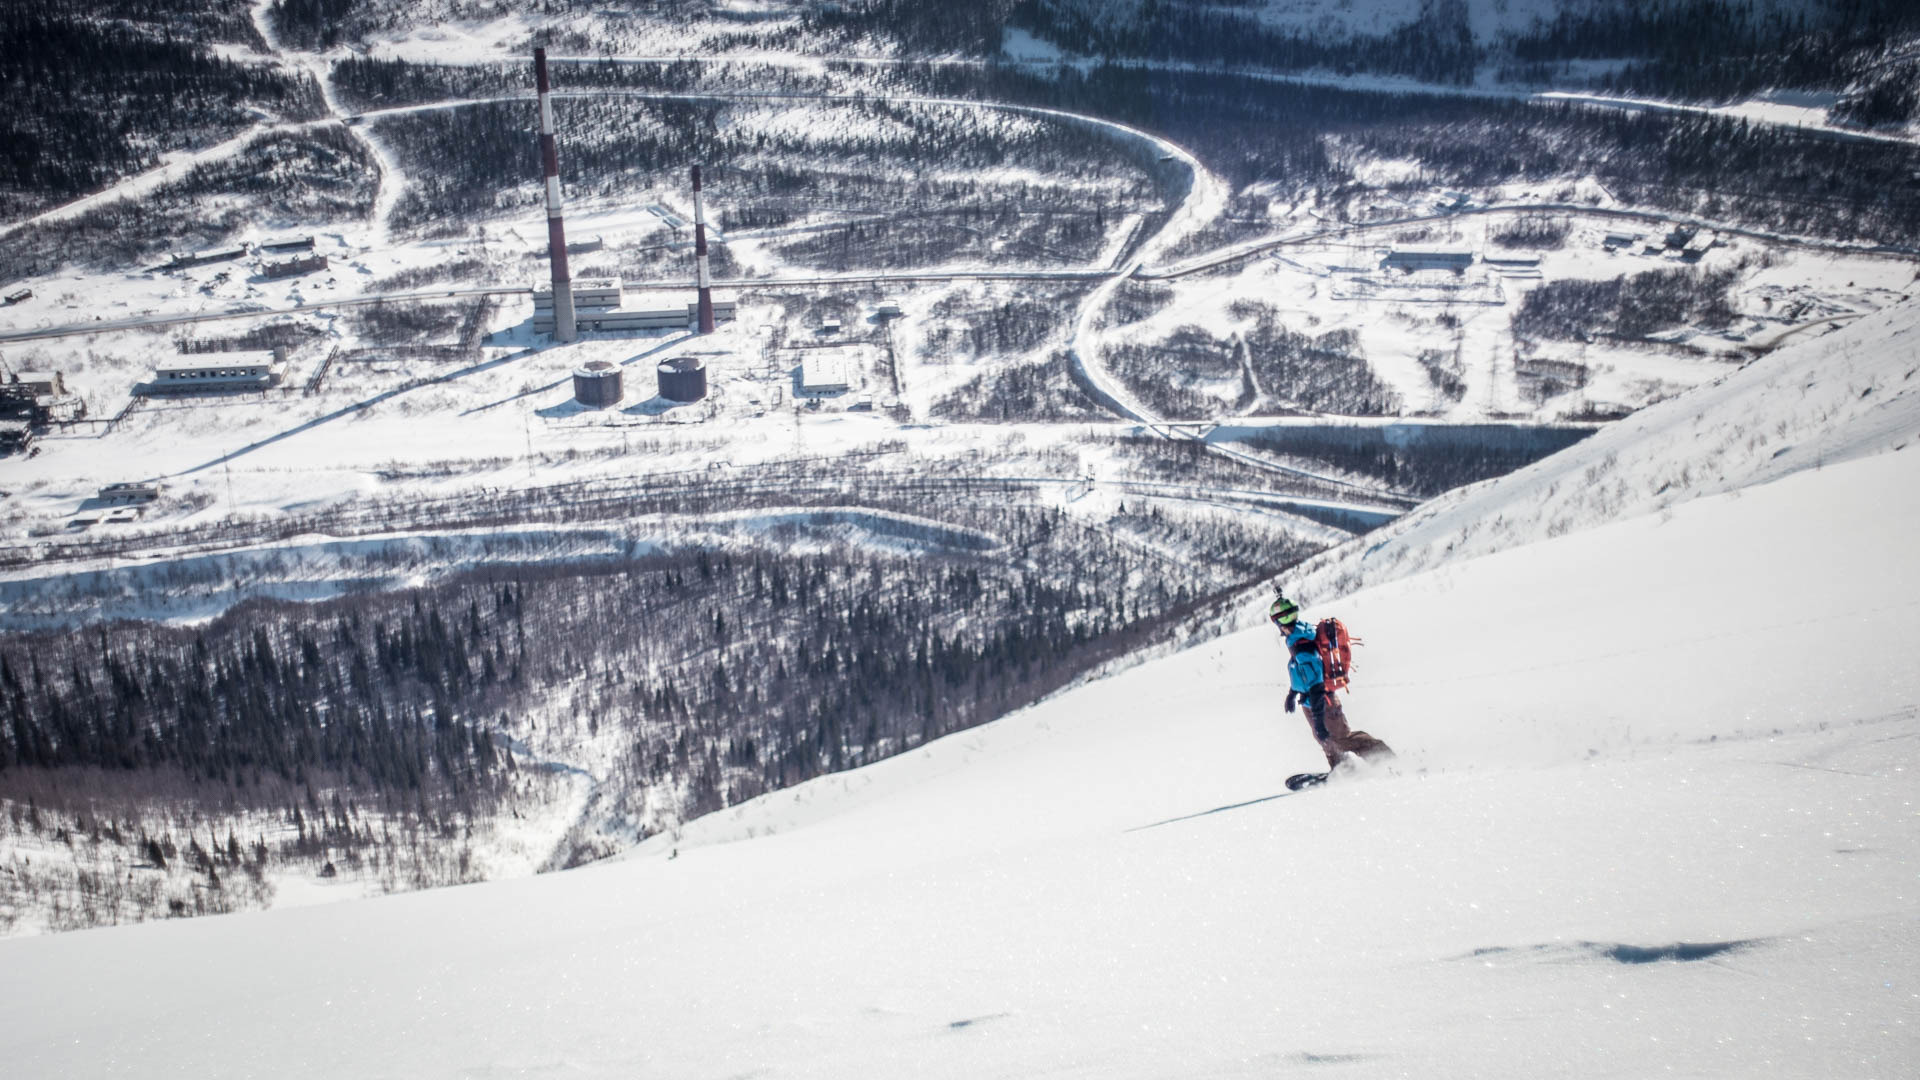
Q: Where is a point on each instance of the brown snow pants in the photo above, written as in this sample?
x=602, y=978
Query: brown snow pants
x=1342, y=740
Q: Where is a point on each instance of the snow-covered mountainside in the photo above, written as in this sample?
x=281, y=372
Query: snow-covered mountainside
x=1654, y=811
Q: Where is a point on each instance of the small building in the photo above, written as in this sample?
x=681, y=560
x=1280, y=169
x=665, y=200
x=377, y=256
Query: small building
x=1424, y=258
x=19, y=296
x=1513, y=259
x=682, y=378
x=232, y=371
x=294, y=243
x=130, y=492
x=825, y=371
x=830, y=326
x=597, y=384
x=1680, y=236
x=294, y=267
x=15, y=435
x=888, y=309
x=1617, y=240
x=584, y=247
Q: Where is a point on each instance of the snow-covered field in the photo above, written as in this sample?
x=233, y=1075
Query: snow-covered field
x=1654, y=811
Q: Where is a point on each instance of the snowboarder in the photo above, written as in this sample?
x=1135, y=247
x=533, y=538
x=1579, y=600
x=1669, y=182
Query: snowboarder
x=1307, y=682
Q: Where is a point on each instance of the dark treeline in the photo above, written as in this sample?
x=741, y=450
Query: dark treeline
x=1438, y=46
x=1696, y=49
x=1193, y=375
x=465, y=159
x=917, y=27
x=1630, y=307
x=373, y=83
x=1885, y=94
x=1714, y=49
x=317, y=24
x=1020, y=393
x=736, y=672
x=257, y=696
x=318, y=175
x=1299, y=138
x=1423, y=472
x=97, y=89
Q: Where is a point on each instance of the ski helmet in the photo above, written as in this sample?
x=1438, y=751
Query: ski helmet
x=1283, y=611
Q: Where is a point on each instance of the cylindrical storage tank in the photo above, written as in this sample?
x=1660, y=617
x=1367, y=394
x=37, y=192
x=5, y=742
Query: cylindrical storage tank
x=597, y=384
x=683, y=378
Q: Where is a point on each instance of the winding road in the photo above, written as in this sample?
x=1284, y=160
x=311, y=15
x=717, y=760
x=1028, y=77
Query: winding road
x=1196, y=197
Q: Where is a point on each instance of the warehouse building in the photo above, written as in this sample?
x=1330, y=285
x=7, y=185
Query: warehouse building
x=1420, y=258
x=231, y=372
x=202, y=258
x=597, y=306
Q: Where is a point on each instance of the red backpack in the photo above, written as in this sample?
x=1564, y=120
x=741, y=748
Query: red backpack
x=1336, y=651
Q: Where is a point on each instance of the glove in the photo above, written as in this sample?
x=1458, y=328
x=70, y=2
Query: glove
x=1290, y=696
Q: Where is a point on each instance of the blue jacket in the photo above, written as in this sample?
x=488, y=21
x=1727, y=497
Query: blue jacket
x=1304, y=669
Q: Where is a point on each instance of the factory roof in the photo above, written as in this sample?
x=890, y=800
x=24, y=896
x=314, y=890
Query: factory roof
x=825, y=369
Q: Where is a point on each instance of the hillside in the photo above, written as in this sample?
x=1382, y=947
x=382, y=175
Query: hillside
x=1653, y=811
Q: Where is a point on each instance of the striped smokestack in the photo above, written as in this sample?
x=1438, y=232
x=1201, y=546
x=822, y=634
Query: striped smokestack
x=704, y=282
x=563, y=328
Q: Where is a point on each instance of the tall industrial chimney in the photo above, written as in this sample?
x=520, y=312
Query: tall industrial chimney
x=563, y=328
x=704, y=282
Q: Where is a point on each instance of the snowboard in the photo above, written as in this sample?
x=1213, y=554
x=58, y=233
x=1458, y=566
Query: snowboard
x=1302, y=781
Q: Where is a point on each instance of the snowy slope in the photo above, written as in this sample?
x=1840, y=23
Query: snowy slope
x=1655, y=812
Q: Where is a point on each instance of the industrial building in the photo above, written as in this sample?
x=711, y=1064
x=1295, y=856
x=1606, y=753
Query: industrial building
x=1420, y=258
x=32, y=385
x=31, y=397
x=597, y=306
x=825, y=371
x=561, y=308
x=233, y=371
x=294, y=267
